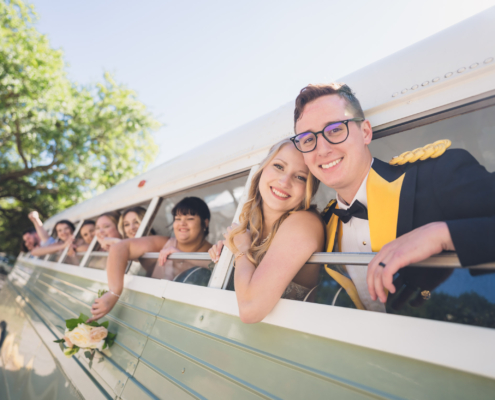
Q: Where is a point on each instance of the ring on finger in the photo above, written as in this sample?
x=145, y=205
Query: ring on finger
x=381, y=264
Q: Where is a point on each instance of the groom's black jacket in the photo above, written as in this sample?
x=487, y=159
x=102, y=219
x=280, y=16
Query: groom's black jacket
x=453, y=188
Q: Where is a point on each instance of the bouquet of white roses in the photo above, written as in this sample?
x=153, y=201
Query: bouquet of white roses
x=86, y=336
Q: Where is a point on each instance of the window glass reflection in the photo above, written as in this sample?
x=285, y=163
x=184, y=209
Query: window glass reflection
x=443, y=294
x=97, y=261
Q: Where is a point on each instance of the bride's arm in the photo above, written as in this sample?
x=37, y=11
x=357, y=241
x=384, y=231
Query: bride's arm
x=118, y=256
x=259, y=289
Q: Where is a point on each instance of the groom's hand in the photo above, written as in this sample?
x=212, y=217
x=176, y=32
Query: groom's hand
x=415, y=246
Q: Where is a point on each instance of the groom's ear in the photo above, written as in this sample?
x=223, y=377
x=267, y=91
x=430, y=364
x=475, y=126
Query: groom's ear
x=367, y=131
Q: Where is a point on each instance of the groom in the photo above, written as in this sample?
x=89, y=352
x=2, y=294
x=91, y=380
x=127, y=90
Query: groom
x=439, y=201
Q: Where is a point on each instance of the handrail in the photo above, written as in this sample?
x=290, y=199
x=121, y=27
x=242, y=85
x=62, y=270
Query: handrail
x=446, y=260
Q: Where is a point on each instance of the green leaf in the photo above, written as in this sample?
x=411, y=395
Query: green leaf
x=62, y=347
x=87, y=353
x=105, y=324
x=93, y=323
x=83, y=318
x=59, y=340
x=69, y=352
x=71, y=323
x=111, y=335
x=105, y=345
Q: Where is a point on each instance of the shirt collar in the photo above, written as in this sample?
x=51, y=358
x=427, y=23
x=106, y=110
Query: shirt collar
x=361, y=194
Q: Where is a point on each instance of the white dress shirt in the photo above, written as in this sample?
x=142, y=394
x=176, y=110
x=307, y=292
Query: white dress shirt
x=356, y=239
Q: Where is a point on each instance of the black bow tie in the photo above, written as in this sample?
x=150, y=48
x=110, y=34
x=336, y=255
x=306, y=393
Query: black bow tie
x=357, y=210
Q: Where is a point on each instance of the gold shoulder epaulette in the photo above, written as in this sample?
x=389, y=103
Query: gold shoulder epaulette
x=330, y=204
x=432, y=150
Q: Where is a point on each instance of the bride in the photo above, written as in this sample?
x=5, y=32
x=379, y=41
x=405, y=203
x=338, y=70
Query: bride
x=279, y=230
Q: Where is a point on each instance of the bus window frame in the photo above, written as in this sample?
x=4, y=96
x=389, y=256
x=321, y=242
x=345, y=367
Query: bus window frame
x=222, y=268
x=66, y=250
x=143, y=227
x=154, y=206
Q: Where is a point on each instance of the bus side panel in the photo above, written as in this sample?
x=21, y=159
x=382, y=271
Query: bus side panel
x=57, y=296
x=219, y=356
x=27, y=368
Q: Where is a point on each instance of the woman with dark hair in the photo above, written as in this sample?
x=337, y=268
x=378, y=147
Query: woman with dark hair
x=64, y=230
x=30, y=240
x=88, y=232
x=191, y=220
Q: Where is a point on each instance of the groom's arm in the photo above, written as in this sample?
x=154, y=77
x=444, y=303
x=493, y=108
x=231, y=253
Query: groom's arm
x=465, y=193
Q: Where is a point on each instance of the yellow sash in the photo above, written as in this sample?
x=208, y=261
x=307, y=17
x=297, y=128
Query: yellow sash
x=383, y=213
x=383, y=208
x=345, y=282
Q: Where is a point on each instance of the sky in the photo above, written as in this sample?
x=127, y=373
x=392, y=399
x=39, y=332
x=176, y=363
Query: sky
x=206, y=67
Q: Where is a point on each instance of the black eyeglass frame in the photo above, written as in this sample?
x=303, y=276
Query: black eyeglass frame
x=346, y=122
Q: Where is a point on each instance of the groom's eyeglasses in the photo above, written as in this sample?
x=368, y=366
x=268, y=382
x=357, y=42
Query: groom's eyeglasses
x=334, y=133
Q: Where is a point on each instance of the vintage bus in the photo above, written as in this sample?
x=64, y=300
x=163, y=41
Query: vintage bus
x=184, y=340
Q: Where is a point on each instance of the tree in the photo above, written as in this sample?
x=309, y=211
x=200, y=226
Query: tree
x=60, y=142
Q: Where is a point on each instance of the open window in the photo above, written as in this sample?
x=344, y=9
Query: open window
x=222, y=198
x=126, y=223
x=461, y=295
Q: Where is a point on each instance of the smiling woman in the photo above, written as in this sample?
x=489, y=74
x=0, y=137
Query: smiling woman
x=130, y=220
x=278, y=232
x=107, y=232
x=64, y=231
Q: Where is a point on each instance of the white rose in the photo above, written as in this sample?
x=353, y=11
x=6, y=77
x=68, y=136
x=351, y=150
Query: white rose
x=80, y=335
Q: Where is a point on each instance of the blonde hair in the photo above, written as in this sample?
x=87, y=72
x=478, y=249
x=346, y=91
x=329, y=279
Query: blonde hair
x=140, y=212
x=252, y=215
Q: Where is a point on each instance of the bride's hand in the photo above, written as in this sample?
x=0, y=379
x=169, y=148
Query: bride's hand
x=215, y=251
x=242, y=240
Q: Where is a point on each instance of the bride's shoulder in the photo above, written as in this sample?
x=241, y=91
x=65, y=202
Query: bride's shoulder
x=309, y=218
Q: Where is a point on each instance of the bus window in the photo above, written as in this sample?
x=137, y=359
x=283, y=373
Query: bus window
x=222, y=198
x=53, y=257
x=446, y=294
x=128, y=226
x=131, y=219
x=97, y=260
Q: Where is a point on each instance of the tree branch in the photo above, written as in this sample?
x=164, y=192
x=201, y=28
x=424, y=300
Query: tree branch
x=27, y=171
x=19, y=143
